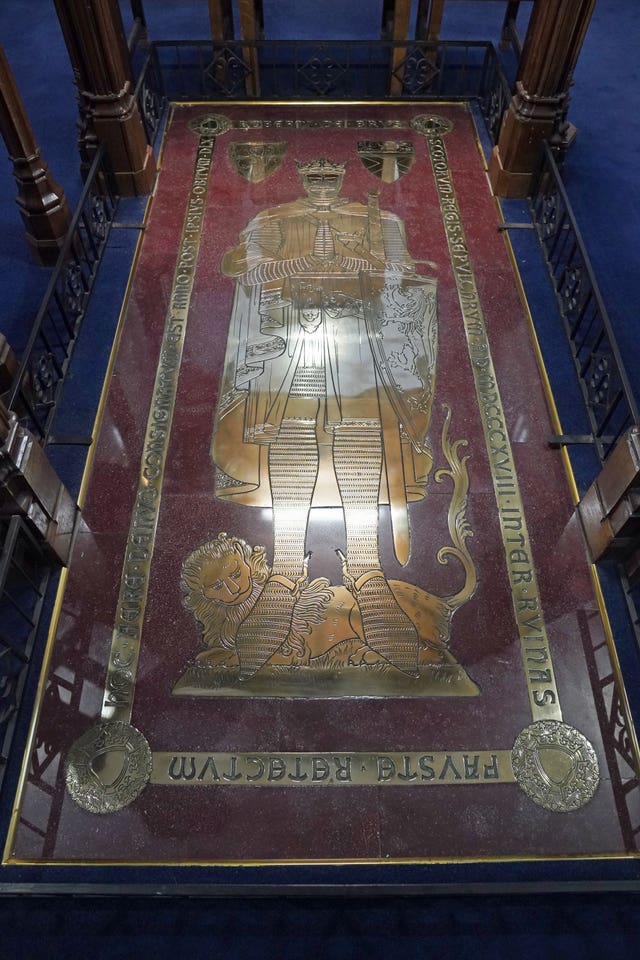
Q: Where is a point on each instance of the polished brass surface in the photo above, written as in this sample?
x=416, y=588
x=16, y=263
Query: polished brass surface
x=210, y=125
x=536, y=654
x=555, y=765
x=256, y=161
x=327, y=651
x=332, y=343
x=417, y=769
x=387, y=159
x=108, y=767
x=136, y=570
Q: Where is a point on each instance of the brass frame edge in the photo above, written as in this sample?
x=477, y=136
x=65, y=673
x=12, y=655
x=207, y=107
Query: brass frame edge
x=316, y=103
x=355, y=861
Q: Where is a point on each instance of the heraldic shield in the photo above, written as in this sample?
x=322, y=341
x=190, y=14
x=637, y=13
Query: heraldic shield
x=386, y=159
x=256, y=161
x=402, y=325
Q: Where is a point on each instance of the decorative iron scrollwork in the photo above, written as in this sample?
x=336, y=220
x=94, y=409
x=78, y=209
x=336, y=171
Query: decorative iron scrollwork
x=322, y=74
x=417, y=72
x=72, y=289
x=150, y=102
x=494, y=111
x=43, y=379
x=550, y=215
x=622, y=737
x=227, y=73
x=8, y=698
x=572, y=290
x=598, y=379
x=99, y=219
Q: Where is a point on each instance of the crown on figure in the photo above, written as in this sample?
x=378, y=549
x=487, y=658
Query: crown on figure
x=321, y=166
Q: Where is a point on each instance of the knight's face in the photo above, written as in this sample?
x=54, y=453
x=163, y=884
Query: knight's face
x=322, y=186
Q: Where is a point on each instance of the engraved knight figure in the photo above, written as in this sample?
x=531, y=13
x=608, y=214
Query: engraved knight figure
x=326, y=398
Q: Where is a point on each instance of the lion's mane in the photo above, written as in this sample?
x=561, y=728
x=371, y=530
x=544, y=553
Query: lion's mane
x=221, y=620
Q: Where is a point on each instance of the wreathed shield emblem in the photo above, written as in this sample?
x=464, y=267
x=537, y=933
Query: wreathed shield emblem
x=257, y=161
x=386, y=159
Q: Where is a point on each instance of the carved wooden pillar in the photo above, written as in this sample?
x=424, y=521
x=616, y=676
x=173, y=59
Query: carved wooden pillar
x=221, y=20
x=95, y=39
x=42, y=203
x=8, y=365
x=401, y=16
x=538, y=110
x=610, y=509
x=250, y=14
x=429, y=19
x=30, y=487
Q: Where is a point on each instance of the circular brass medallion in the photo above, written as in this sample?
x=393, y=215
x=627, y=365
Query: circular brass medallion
x=211, y=125
x=108, y=767
x=431, y=126
x=555, y=765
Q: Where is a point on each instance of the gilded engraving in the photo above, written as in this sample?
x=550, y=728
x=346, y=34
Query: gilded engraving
x=211, y=125
x=536, y=653
x=555, y=765
x=386, y=159
x=257, y=161
x=327, y=650
x=108, y=767
x=332, y=348
x=427, y=768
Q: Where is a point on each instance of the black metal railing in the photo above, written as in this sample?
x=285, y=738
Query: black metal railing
x=148, y=90
x=494, y=95
x=149, y=95
x=24, y=575
x=38, y=384
x=301, y=69
x=608, y=397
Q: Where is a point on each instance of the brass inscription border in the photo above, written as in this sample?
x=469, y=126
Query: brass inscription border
x=134, y=581
x=438, y=767
x=536, y=654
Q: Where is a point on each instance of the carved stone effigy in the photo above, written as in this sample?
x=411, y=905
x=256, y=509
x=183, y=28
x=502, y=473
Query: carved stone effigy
x=337, y=554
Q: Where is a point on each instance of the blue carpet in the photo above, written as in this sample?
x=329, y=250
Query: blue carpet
x=588, y=927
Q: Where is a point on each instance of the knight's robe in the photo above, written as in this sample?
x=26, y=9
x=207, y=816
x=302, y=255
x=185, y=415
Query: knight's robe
x=319, y=300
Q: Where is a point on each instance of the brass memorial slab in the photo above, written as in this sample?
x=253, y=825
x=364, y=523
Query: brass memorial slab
x=325, y=547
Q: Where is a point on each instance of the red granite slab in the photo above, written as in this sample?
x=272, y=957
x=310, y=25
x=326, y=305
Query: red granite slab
x=275, y=824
